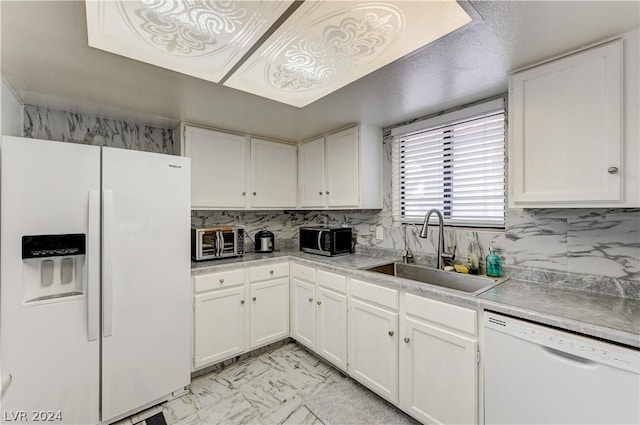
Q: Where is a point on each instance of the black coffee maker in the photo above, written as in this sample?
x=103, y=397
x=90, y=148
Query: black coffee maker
x=265, y=241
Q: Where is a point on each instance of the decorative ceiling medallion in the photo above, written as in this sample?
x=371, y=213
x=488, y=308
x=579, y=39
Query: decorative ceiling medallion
x=188, y=27
x=204, y=39
x=325, y=45
x=352, y=41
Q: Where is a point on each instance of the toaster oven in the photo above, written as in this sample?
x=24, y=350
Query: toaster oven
x=208, y=243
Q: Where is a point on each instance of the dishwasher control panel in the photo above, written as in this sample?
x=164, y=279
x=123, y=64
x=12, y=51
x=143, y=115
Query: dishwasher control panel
x=577, y=345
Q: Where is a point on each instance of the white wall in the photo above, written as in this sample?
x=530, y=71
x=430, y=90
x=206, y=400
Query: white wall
x=11, y=116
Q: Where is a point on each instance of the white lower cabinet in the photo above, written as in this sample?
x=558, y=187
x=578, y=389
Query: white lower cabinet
x=269, y=311
x=418, y=353
x=373, y=338
x=319, y=312
x=303, y=312
x=438, y=364
x=214, y=342
x=219, y=311
x=238, y=310
x=331, y=342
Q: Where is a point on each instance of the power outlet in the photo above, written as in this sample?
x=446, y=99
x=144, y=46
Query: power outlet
x=379, y=233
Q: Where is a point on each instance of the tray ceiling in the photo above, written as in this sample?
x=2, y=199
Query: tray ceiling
x=292, y=52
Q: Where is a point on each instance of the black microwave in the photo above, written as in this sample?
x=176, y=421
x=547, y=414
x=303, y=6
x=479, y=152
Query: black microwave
x=325, y=240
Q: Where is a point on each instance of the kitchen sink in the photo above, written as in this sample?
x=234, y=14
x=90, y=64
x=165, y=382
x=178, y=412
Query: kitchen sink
x=471, y=284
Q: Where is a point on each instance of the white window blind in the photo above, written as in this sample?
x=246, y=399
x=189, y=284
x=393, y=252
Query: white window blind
x=454, y=163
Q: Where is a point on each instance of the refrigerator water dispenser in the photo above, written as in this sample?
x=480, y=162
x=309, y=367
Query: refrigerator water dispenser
x=53, y=266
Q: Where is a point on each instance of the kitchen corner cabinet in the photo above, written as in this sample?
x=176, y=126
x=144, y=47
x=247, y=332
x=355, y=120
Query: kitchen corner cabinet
x=567, y=144
x=342, y=170
x=269, y=310
x=438, y=362
x=273, y=174
x=373, y=338
x=319, y=312
x=219, y=311
x=218, y=168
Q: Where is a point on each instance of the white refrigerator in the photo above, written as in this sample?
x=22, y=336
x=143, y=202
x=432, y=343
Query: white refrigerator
x=94, y=281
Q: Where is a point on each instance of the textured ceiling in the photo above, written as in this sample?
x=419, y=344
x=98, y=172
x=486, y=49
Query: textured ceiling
x=46, y=59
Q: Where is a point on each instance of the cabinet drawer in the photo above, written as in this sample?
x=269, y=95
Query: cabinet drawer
x=270, y=271
x=303, y=272
x=452, y=316
x=211, y=281
x=332, y=281
x=385, y=297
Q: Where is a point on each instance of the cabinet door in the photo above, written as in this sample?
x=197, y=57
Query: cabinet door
x=218, y=168
x=438, y=375
x=332, y=327
x=218, y=326
x=311, y=174
x=373, y=348
x=269, y=311
x=566, y=131
x=303, y=320
x=273, y=174
x=342, y=168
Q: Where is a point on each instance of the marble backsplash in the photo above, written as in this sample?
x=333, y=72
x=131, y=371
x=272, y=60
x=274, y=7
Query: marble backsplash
x=51, y=124
x=593, y=247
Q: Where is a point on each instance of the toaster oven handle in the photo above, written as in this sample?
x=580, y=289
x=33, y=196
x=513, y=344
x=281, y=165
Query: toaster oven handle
x=320, y=240
x=220, y=240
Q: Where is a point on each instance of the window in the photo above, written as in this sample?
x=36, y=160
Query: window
x=454, y=162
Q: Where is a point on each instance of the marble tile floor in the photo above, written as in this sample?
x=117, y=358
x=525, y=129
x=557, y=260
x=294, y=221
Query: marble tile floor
x=287, y=385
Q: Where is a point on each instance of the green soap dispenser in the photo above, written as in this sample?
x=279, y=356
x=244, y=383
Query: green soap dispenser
x=493, y=265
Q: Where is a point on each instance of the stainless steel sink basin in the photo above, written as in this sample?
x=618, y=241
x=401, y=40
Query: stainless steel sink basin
x=471, y=284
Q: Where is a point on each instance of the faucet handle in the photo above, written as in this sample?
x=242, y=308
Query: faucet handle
x=448, y=258
x=407, y=257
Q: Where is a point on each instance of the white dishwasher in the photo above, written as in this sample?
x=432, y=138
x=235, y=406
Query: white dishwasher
x=535, y=374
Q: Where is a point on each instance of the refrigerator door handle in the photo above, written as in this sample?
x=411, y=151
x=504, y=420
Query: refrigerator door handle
x=107, y=264
x=93, y=265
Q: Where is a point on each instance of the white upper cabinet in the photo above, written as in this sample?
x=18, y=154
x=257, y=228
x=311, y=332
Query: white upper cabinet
x=342, y=170
x=233, y=171
x=569, y=144
x=343, y=164
x=311, y=174
x=273, y=174
x=218, y=168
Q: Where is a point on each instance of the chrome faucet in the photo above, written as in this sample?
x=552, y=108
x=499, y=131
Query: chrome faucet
x=424, y=234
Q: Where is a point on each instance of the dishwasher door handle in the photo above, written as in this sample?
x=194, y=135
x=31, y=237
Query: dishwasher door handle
x=569, y=357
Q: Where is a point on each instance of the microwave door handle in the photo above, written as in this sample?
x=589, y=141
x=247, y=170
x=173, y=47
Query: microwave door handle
x=320, y=240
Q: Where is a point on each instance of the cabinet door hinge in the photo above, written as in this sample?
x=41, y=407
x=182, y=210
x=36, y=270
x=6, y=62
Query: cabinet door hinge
x=477, y=356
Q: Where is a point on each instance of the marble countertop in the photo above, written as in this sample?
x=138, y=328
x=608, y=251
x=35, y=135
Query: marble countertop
x=351, y=261
x=602, y=316
x=589, y=313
